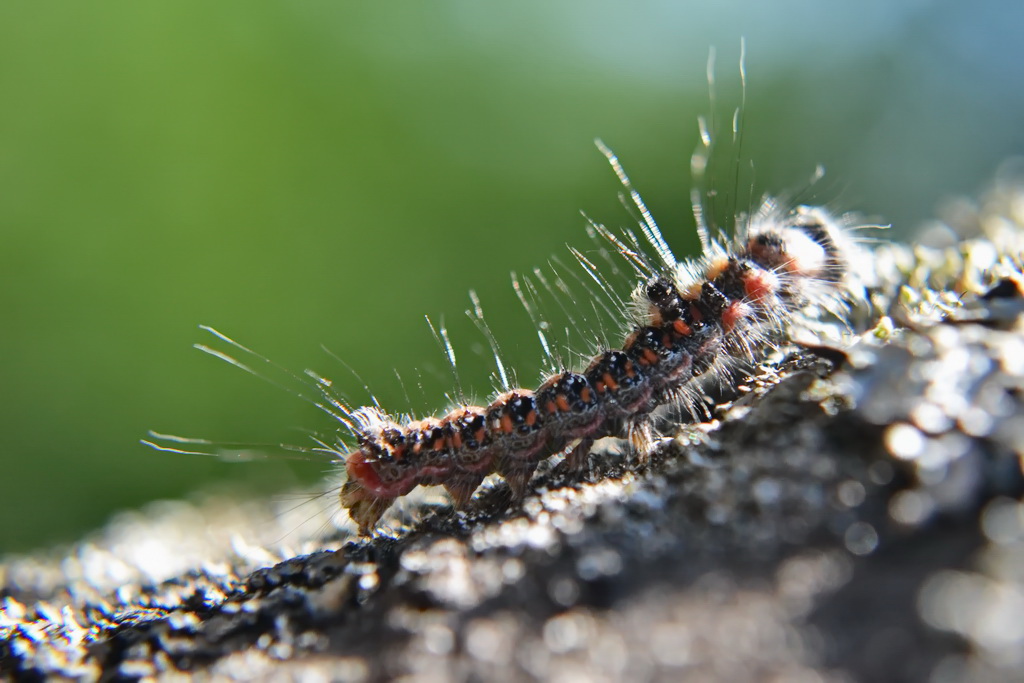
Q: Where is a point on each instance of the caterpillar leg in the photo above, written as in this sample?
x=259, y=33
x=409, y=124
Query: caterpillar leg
x=461, y=487
x=363, y=507
x=641, y=441
x=577, y=458
x=518, y=476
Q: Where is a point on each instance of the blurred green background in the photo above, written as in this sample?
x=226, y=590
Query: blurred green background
x=329, y=172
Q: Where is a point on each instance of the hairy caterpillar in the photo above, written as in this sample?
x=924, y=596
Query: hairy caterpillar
x=685, y=320
x=693, y=318
x=690, y=319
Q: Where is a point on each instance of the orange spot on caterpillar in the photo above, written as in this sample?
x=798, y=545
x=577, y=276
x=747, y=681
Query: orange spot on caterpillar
x=734, y=313
x=760, y=284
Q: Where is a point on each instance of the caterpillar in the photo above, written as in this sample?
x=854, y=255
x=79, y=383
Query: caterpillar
x=690, y=319
x=686, y=320
x=694, y=318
